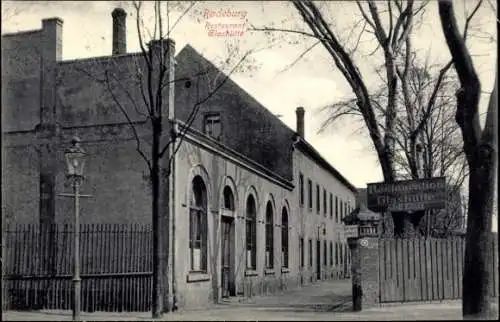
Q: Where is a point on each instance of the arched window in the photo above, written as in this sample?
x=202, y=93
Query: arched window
x=228, y=198
x=284, y=238
x=269, y=236
x=251, y=233
x=198, y=225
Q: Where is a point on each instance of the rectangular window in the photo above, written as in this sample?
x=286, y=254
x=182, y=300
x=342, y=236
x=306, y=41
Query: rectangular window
x=212, y=125
x=336, y=209
x=336, y=254
x=341, y=210
x=310, y=193
x=284, y=243
x=341, y=255
x=269, y=244
x=331, y=253
x=317, y=199
x=331, y=206
x=324, y=253
x=346, y=254
x=251, y=243
x=301, y=189
x=301, y=250
x=346, y=209
x=198, y=239
x=324, y=202
x=310, y=253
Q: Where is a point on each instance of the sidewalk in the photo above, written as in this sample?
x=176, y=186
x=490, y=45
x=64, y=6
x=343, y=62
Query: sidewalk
x=325, y=301
x=445, y=311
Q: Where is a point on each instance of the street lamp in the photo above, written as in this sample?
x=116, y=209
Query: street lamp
x=75, y=160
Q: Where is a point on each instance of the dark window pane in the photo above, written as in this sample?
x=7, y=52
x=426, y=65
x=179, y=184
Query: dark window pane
x=213, y=126
x=251, y=235
x=310, y=253
x=269, y=236
x=301, y=189
x=228, y=198
x=284, y=237
x=331, y=206
x=310, y=197
x=317, y=198
x=301, y=250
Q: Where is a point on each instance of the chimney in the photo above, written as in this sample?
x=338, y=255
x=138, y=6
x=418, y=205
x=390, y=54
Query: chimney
x=119, y=31
x=51, y=53
x=52, y=39
x=300, y=121
x=164, y=50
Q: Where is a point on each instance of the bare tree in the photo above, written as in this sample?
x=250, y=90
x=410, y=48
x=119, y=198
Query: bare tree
x=480, y=147
x=431, y=147
x=380, y=109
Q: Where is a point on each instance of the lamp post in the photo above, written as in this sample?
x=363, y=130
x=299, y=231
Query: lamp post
x=75, y=160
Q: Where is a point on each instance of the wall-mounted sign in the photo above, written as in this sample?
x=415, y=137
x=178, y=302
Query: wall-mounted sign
x=409, y=195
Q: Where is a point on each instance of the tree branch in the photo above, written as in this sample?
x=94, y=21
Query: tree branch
x=182, y=16
x=283, y=30
x=299, y=57
x=432, y=100
x=132, y=126
x=365, y=16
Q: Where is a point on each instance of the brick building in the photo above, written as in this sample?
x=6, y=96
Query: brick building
x=255, y=207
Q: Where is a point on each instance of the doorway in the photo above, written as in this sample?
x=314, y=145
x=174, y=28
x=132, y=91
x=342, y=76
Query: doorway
x=318, y=260
x=227, y=258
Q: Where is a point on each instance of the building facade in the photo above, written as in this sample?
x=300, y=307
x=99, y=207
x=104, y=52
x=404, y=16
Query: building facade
x=254, y=207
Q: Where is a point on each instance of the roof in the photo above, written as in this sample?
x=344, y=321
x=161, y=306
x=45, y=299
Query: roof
x=303, y=144
x=316, y=156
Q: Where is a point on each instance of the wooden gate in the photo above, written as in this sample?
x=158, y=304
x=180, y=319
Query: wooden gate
x=425, y=269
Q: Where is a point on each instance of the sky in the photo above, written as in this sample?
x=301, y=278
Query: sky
x=312, y=83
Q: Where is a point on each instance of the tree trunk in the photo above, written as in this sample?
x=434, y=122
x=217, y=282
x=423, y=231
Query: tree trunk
x=416, y=218
x=478, y=247
x=160, y=212
x=400, y=219
x=481, y=150
x=157, y=300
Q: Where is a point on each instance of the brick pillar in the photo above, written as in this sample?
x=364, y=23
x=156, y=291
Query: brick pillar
x=47, y=130
x=47, y=136
x=365, y=272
